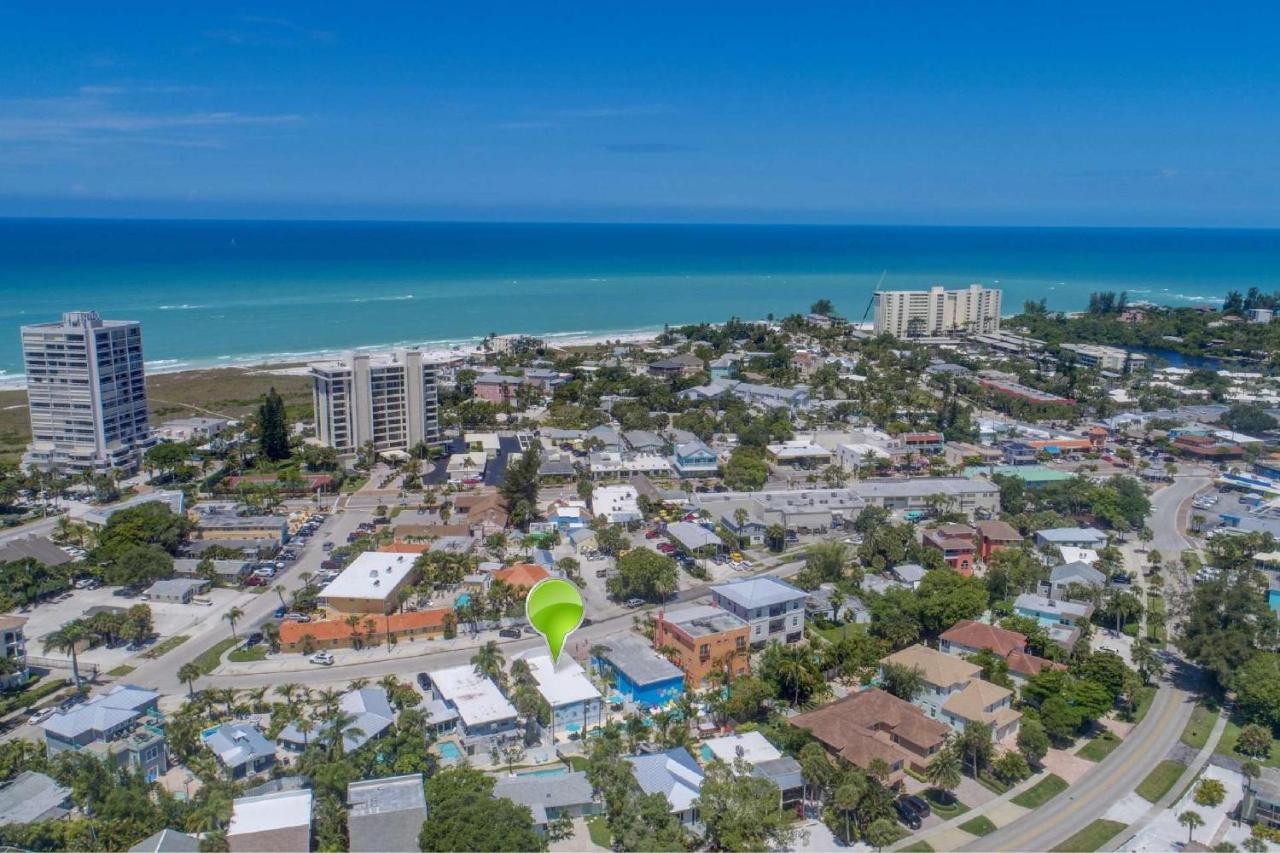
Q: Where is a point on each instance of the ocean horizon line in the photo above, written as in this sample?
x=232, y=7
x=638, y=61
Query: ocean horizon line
x=643, y=223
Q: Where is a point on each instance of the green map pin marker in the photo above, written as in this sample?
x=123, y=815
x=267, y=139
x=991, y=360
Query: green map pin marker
x=554, y=609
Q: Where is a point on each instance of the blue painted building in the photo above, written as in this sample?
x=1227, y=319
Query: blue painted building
x=639, y=673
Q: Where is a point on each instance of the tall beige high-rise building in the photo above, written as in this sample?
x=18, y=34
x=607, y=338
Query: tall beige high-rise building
x=87, y=393
x=386, y=398
x=937, y=312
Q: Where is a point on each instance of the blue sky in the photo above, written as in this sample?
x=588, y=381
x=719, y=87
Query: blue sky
x=902, y=112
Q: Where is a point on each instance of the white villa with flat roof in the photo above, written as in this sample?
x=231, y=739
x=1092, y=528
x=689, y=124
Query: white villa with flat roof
x=575, y=702
x=773, y=608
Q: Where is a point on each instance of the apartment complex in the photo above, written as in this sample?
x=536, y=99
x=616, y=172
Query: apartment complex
x=1113, y=359
x=388, y=399
x=87, y=394
x=937, y=312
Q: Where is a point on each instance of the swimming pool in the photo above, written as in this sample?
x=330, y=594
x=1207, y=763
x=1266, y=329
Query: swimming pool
x=449, y=750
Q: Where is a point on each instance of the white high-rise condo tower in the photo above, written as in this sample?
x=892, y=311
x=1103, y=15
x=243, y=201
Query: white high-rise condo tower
x=87, y=394
x=386, y=398
x=936, y=312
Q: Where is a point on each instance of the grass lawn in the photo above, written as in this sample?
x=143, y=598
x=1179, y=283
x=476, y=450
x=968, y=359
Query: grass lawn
x=258, y=652
x=918, y=847
x=1145, y=698
x=1227, y=746
x=1160, y=780
x=980, y=825
x=1196, y=734
x=942, y=808
x=1041, y=792
x=1091, y=837
x=209, y=660
x=991, y=783
x=835, y=632
x=32, y=692
x=578, y=762
x=598, y=826
x=166, y=646
x=122, y=670
x=1099, y=747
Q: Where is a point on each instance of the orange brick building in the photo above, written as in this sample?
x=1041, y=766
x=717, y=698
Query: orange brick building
x=702, y=640
x=337, y=634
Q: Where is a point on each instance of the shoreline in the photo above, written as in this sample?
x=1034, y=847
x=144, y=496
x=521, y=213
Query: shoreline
x=293, y=363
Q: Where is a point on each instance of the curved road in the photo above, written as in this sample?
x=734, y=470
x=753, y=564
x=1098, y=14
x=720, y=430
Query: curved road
x=1120, y=773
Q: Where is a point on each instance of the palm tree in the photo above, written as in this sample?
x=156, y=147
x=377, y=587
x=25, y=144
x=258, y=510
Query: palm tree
x=815, y=769
x=65, y=640
x=305, y=726
x=845, y=800
x=338, y=728
x=187, y=674
x=353, y=622
x=233, y=616
x=286, y=691
x=389, y=683
x=328, y=699
x=489, y=661
x=271, y=633
x=944, y=770
x=256, y=695
x=1192, y=821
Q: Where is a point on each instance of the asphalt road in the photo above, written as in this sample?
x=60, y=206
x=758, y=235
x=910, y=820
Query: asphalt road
x=1119, y=774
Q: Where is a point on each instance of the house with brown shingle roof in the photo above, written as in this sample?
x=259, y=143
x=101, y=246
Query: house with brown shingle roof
x=968, y=637
x=955, y=693
x=483, y=512
x=874, y=724
x=994, y=536
x=521, y=576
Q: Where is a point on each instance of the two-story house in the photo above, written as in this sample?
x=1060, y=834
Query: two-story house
x=1062, y=619
x=968, y=637
x=694, y=459
x=701, y=640
x=956, y=543
x=484, y=716
x=954, y=693
x=241, y=749
x=124, y=724
x=774, y=609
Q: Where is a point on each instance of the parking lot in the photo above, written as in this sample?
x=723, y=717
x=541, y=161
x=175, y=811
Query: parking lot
x=169, y=619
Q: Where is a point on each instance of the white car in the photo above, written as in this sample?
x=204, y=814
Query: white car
x=40, y=716
x=321, y=658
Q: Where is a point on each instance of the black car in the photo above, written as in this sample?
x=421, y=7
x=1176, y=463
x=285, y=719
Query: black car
x=423, y=681
x=917, y=805
x=906, y=814
x=587, y=622
x=510, y=633
x=253, y=639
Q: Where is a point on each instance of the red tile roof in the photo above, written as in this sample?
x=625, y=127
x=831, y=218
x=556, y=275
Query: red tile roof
x=522, y=575
x=980, y=635
x=336, y=629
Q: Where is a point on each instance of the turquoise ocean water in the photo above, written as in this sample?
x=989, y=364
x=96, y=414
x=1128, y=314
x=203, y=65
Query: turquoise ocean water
x=212, y=293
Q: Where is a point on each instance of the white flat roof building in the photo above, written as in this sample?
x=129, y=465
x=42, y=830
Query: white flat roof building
x=936, y=312
x=372, y=576
x=752, y=747
x=476, y=699
x=87, y=394
x=564, y=683
x=277, y=821
x=617, y=504
x=387, y=398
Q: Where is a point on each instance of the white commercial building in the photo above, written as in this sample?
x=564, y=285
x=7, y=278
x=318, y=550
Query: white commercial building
x=936, y=312
x=1113, y=359
x=575, y=702
x=371, y=584
x=87, y=394
x=616, y=504
x=388, y=399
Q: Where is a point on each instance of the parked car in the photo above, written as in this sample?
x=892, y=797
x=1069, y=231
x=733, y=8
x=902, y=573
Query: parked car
x=906, y=814
x=279, y=612
x=666, y=547
x=321, y=658
x=510, y=633
x=40, y=716
x=424, y=681
x=634, y=602
x=253, y=639
x=328, y=546
x=651, y=534
x=255, y=580
x=917, y=805
x=297, y=617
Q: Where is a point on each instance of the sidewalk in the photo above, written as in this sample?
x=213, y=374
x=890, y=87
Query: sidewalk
x=1137, y=835
x=999, y=810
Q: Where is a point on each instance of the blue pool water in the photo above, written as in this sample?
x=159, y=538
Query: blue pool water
x=450, y=750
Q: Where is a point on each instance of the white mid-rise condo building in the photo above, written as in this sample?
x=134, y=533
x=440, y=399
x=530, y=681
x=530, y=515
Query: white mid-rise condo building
x=87, y=394
x=388, y=399
x=937, y=312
